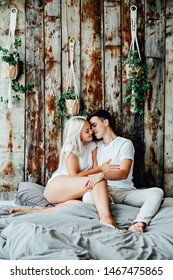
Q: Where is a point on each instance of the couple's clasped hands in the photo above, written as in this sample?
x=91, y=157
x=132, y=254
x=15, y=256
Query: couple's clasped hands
x=105, y=167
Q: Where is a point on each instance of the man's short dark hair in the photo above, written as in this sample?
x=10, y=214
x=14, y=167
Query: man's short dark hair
x=103, y=115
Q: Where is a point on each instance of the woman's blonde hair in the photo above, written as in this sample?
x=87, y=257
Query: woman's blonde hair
x=72, y=136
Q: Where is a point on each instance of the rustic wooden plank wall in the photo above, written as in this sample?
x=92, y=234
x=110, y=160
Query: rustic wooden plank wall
x=12, y=130
x=133, y=124
x=168, y=136
x=29, y=143
x=52, y=15
x=154, y=112
x=34, y=104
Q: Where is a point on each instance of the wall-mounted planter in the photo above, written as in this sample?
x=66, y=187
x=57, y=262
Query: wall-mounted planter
x=9, y=71
x=72, y=106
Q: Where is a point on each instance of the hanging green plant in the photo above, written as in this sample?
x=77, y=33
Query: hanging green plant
x=10, y=69
x=67, y=104
x=12, y=57
x=137, y=86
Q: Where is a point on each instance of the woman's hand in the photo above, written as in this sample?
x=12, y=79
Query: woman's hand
x=94, y=179
x=109, y=167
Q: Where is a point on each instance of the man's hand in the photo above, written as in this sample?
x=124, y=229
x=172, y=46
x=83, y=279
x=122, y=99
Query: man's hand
x=109, y=167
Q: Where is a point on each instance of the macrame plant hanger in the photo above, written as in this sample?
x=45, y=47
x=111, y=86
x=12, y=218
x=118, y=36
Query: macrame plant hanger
x=73, y=105
x=134, y=41
x=10, y=71
x=133, y=16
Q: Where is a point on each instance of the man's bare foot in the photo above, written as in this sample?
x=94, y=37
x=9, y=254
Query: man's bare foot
x=137, y=227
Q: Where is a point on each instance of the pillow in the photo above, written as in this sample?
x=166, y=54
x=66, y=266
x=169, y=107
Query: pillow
x=167, y=202
x=31, y=194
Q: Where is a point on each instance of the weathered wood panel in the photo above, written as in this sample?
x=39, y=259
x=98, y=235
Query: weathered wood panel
x=11, y=120
x=112, y=60
x=154, y=111
x=71, y=31
x=168, y=143
x=35, y=106
x=52, y=34
x=91, y=50
x=132, y=124
x=29, y=145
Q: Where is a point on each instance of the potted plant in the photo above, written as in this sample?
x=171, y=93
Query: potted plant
x=137, y=85
x=10, y=70
x=67, y=104
x=10, y=58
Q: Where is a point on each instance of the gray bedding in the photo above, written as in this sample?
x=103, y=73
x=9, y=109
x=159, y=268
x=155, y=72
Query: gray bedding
x=74, y=233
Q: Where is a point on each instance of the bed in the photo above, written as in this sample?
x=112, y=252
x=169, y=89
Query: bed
x=74, y=232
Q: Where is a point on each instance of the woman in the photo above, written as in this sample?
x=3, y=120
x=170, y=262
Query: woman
x=71, y=180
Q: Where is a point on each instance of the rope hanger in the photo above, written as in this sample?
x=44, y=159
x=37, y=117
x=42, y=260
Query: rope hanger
x=73, y=105
x=133, y=16
x=6, y=71
x=12, y=28
x=71, y=73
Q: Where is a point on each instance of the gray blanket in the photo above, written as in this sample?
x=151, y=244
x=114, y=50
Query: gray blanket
x=74, y=233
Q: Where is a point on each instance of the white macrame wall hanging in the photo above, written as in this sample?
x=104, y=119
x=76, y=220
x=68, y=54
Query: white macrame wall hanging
x=10, y=71
x=72, y=105
x=133, y=16
x=134, y=43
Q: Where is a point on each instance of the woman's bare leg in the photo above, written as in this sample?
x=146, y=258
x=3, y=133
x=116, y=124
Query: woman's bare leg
x=101, y=202
x=68, y=187
x=63, y=188
x=52, y=209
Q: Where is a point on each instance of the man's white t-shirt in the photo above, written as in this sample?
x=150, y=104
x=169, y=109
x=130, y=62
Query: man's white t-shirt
x=118, y=150
x=85, y=159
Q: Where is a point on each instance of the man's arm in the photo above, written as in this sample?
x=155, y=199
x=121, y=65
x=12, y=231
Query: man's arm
x=113, y=174
x=119, y=174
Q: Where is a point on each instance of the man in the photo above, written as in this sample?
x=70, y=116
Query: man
x=120, y=185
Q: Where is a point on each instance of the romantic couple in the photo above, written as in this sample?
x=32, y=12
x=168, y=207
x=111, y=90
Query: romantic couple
x=98, y=173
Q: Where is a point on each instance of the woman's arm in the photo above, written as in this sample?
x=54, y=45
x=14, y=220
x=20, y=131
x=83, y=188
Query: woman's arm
x=72, y=165
x=94, y=158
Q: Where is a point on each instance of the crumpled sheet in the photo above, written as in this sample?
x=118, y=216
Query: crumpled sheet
x=74, y=233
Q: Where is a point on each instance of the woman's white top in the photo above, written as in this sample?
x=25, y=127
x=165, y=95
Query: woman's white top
x=85, y=159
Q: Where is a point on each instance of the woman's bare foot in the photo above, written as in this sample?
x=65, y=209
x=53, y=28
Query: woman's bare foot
x=25, y=210
x=109, y=222
x=137, y=227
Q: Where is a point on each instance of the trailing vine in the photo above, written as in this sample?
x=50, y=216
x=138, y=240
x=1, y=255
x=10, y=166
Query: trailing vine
x=137, y=86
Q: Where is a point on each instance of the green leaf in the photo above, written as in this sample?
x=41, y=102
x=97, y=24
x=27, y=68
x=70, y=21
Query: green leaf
x=20, y=88
x=12, y=57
